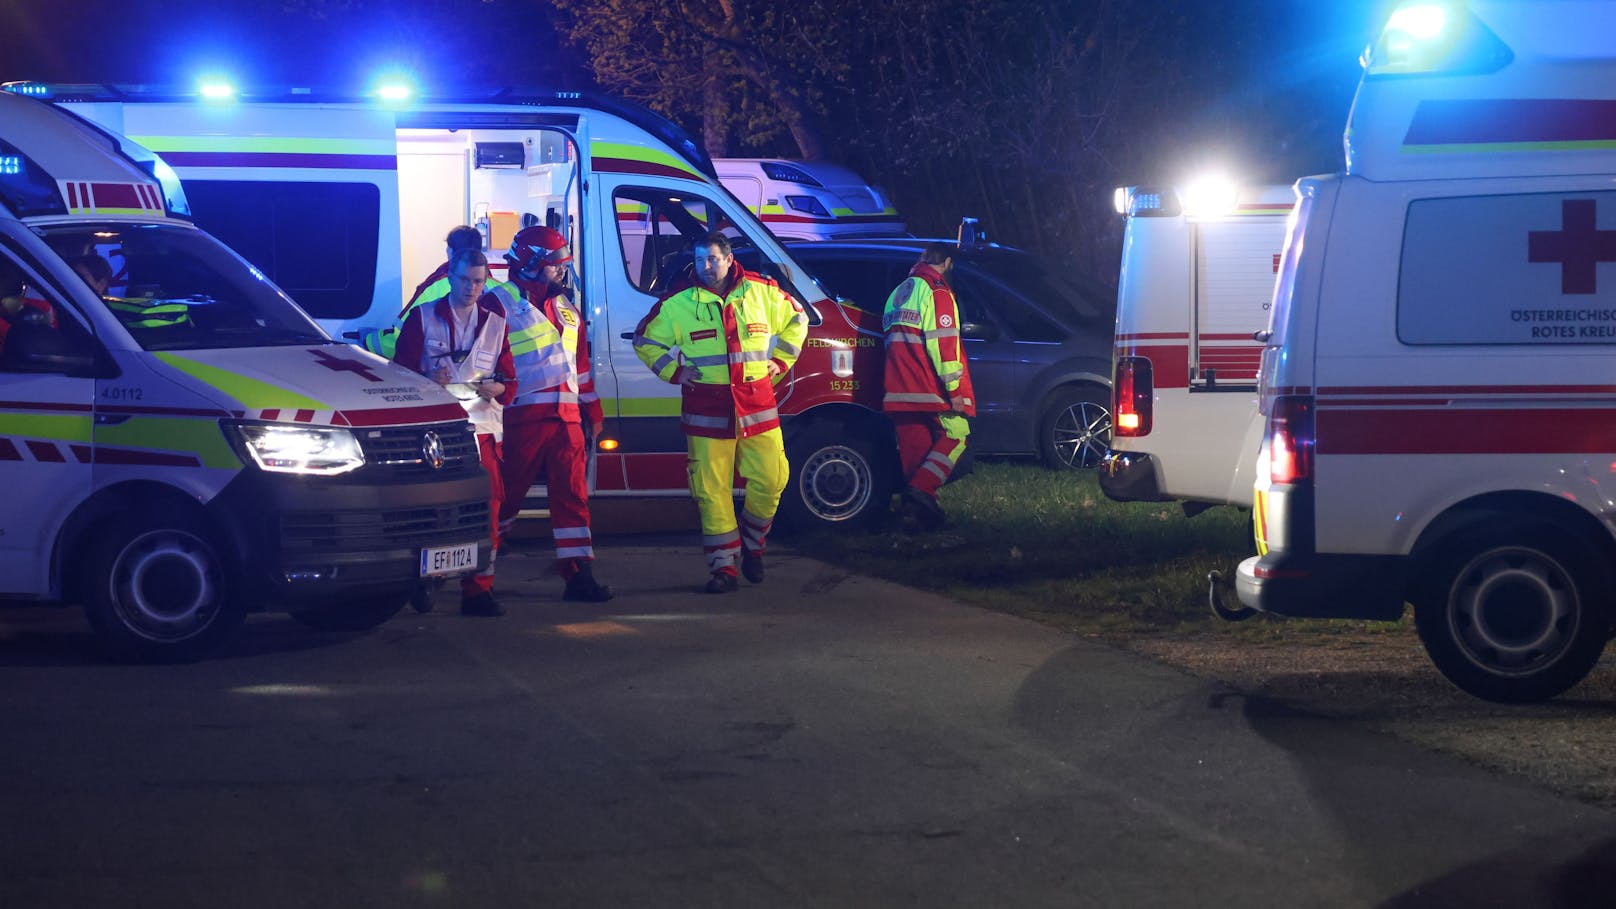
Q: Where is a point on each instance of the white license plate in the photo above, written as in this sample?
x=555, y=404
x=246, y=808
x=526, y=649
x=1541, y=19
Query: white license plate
x=448, y=559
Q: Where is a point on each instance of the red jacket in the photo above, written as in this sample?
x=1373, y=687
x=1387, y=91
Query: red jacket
x=925, y=370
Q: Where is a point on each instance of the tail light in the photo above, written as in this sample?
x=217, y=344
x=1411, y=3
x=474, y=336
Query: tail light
x=1133, y=391
x=1290, y=439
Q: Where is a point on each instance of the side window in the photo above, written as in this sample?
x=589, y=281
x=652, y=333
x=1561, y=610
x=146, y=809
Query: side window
x=316, y=240
x=984, y=300
x=657, y=228
x=863, y=281
x=1517, y=269
x=34, y=323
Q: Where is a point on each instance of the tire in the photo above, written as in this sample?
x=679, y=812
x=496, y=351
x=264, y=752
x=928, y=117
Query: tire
x=836, y=479
x=1516, y=615
x=357, y=614
x=1075, y=429
x=158, y=591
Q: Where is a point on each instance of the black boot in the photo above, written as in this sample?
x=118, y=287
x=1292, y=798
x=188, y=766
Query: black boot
x=583, y=588
x=752, y=566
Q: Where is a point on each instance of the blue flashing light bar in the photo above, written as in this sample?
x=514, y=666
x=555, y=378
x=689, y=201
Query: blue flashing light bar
x=217, y=91
x=394, y=91
x=10, y=165
x=32, y=89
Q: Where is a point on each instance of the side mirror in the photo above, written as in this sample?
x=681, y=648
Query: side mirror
x=33, y=346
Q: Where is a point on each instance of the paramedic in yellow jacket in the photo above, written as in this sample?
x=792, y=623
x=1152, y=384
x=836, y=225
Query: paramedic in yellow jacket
x=726, y=340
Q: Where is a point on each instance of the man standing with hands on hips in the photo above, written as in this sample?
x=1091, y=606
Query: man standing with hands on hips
x=725, y=341
x=928, y=384
x=459, y=342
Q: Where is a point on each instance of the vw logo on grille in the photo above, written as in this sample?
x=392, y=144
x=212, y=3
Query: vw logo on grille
x=432, y=450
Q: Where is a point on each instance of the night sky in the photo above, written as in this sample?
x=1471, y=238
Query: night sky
x=1291, y=59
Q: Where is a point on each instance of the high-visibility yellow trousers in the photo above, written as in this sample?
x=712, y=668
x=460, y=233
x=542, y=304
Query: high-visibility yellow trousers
x=712, y=464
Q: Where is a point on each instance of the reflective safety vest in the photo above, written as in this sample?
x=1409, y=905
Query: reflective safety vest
x=562, y=384
x=467, y=363
x=145, y=313
x=384, y=340
x=925, y=362
x=730, y=340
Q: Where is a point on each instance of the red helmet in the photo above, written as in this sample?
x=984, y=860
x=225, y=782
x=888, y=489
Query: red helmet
x=536, y=246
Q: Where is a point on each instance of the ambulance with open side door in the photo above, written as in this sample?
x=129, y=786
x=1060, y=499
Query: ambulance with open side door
x=1440, y=377
x=345, y=202
x=1198, y=267
x=179, y=443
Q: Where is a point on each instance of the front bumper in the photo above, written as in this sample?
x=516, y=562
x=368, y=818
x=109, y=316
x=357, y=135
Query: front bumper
x=1130, y=476
x=302, y=540
x=1324, y=585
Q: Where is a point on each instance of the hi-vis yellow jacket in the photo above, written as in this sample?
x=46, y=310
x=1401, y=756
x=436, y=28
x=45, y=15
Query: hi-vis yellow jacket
x=729, y=338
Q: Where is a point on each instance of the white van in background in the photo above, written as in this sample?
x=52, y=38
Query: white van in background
x=1197, y=280
x=1439, y=379
x=810, y=200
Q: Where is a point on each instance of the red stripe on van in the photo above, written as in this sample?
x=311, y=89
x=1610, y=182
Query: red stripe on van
x=1169, y=364
x=117, y=195
x=1153, y=336
x=281, y=159
x=1425, y=430
x=8, y=451
x=72, y=195
x=396, y=416
x=104, y=455
x=629, y=166
x=1518, y=390
x=656, y=471
x=46, y=451
x=1476, y=121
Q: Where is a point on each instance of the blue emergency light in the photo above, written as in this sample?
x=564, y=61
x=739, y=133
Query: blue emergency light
x=1433, y=38
x=10, y=165
x=215, y=90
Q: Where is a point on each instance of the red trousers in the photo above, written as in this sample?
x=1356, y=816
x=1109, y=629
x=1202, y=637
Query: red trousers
x=929, y=446
x=488, y=452
x=554, y=448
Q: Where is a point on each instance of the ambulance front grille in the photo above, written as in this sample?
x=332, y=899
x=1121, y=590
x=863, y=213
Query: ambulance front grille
x=402, y=450
x=374, y=531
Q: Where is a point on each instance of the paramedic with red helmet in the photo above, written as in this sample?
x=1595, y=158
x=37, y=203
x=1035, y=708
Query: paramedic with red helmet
x=543, y=431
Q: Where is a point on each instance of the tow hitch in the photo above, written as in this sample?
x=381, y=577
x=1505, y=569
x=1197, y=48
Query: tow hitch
x=1214, y=598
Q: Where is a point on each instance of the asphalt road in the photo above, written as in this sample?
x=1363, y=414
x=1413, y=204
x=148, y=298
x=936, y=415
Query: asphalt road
x=822, y=740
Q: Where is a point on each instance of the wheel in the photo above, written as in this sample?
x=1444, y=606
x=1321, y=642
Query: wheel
x=836, y=479
x=1075, y=429
x=360, y=613
x=158, y=591
x=1515, y=615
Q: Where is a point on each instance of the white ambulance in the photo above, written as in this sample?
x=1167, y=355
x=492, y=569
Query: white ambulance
x=179, y=443
x=345, y=202
x=1197, y=279
x=1440, y=378
x=810, y=200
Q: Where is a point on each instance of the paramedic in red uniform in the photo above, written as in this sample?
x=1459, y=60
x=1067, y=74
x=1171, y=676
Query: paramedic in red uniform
x=544, y=425
x=459, y=341
x=927, y=383
x=725, y=341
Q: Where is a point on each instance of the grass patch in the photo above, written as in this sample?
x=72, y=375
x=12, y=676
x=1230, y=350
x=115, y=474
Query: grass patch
x=1050, y=546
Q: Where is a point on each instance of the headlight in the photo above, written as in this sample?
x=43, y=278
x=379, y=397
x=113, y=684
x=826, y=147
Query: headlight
x=281, y=448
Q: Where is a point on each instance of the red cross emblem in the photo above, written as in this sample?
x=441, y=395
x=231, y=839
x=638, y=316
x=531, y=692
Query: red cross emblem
x=343, y=364
x=1579, y=246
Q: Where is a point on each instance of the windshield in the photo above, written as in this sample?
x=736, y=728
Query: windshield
x=175, y=288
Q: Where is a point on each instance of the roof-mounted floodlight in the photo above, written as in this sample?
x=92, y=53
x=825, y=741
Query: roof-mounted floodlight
x=1211, y=197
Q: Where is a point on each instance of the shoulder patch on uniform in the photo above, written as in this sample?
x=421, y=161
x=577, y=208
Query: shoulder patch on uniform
x=945, y=320
x=908, y=317
x=902, y=294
